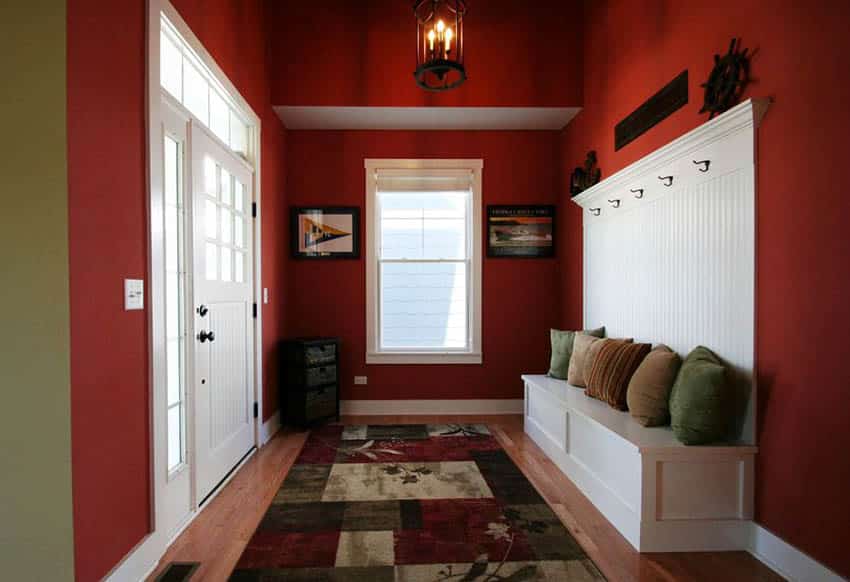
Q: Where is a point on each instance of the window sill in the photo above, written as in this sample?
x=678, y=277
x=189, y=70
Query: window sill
x=424, y=358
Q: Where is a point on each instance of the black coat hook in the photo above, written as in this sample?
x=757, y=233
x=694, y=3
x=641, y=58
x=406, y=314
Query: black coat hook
x=704, y=163
x=614, y=203
x=638, y=192
x=595, y=211
x=668, y=180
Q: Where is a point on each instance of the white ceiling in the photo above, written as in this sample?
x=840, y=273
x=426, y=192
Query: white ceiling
x=424, y=118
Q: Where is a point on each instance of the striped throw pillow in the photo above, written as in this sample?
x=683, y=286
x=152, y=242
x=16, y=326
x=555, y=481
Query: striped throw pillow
x=612, y=369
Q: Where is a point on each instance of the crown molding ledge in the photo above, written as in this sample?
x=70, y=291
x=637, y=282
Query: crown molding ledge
x=426, y=118
x=744, y=116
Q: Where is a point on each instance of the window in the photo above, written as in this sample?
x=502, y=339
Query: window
x=184, y=77
x=175, y=276
x=424, y=261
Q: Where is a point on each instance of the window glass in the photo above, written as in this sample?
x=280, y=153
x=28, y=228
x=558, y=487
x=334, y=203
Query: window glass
x=424, y=270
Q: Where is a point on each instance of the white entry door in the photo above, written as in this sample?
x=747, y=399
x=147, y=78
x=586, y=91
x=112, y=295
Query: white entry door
x=223, y=310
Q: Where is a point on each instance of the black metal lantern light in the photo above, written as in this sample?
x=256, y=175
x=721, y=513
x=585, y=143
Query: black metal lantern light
x=439, y=44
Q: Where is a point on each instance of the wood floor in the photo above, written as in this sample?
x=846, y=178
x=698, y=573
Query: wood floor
x=218, y=535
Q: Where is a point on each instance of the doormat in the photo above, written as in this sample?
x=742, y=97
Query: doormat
x=414, y=503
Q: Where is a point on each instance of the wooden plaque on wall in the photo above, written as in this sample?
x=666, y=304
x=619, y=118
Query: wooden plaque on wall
x=670, y=98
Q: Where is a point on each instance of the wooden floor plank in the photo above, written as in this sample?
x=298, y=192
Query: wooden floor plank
x=219, y=534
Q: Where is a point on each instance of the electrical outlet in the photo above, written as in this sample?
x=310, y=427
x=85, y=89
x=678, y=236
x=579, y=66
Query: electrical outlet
x=361, y=380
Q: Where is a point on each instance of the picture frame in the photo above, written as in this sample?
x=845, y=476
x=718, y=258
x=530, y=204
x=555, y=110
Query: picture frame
x=521, y=231
x=325, y=232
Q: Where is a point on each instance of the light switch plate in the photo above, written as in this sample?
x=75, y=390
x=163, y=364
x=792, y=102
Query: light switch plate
x=265, y=295
x=134, y=294
x=361, y=380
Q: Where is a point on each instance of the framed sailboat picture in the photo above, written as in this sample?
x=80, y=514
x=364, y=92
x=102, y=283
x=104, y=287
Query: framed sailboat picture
x=521, y=231
x=325, y=232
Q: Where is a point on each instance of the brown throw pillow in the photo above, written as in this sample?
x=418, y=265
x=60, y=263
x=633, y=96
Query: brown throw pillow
x=648, y=395
x=593, y=351
x=612, y=369
x=578, y=359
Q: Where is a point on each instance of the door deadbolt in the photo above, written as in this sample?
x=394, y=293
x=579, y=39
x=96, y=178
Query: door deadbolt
x=202, y=310
x=206, y=336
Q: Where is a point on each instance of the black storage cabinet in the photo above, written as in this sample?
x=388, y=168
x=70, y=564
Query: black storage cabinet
x=310, y=389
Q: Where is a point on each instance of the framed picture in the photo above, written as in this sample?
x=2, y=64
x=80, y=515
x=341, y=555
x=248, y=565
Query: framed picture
x=325, y=232
x=521, y=231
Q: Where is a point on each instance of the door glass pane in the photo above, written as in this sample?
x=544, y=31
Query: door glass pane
x=239, y=196
x=238, y=234
x=226, y=189
x=226, y=265
x=212, y=261
x=210, y=218
x=239, y=268
x=196, y=92
x=172, y=248
x=219, y=116
x=238, y=134
x=171, y=173
x=423, y=305
x=210, y=177
x=175, y=440
x=170, y=66
x=172, y=306
x=173, y=357
x=226, y=225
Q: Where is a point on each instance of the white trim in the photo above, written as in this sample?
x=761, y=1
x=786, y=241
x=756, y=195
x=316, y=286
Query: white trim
x=426, y=118
x=790, y=562
x=745, y=115
x=424, y=358
x=398, y=167
x=270, y=428
x=420, y=407
x=143, y=558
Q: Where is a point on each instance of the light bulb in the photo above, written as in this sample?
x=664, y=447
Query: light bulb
x=449, y=35
x=431, y=36
x=440, y=26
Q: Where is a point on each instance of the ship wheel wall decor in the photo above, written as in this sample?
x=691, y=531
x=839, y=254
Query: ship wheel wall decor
x=727, y=80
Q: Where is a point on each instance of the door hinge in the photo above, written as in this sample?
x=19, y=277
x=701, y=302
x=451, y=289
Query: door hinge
x=256, y=410
x=255, y=310
x=254, y=209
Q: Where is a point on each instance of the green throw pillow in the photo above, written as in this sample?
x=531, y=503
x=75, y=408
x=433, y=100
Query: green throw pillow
x=700, y=401
x=562, y=349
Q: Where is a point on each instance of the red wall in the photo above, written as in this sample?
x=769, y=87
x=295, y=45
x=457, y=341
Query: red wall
x=340, y=52
x=107, y=167
x=632, y=48
x=519, y=295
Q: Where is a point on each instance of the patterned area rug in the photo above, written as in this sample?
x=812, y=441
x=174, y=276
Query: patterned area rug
x=409, y=503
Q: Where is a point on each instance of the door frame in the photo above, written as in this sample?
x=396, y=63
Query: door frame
x=144, y=557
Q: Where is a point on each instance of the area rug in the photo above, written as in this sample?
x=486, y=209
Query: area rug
x=409, y=503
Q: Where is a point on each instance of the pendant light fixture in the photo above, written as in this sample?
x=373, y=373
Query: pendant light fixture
x=439, y=44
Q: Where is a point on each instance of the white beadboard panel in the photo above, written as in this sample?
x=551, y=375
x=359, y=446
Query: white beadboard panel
x=677, y=266
x=229, y=409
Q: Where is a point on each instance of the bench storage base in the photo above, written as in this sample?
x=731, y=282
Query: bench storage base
x=661, y=495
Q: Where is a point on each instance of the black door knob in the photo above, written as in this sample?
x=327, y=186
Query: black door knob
x=206, y=336
x=203, y=310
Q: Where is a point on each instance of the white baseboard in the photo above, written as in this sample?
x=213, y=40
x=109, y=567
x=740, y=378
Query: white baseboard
x=788, y=560
x=270, y=428
x=419, y=407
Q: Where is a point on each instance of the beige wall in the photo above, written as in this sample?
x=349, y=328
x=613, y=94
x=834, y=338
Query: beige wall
x=36, y=536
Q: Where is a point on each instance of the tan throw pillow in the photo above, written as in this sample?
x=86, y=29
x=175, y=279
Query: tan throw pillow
x=581, y=345
x=648, y=395
x=612, y=369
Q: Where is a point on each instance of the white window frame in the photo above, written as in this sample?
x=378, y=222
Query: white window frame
x=414, y=167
